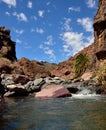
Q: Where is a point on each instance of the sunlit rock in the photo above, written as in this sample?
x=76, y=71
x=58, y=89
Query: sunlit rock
x=53, y=91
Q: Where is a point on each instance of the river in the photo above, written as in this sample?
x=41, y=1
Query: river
x=79, y=112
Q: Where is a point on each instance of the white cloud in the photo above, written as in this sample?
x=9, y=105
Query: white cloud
x=91, y=3
x=34, y=18
x=48, y=3
x=20, y=16
x=10, y=2
x=73, y=42
x=29, y=4
x=46, y=47
x=77, y=9
x=48, y=52
x=90, y=39
x=87, y=24
x=66, y=24
x=40, y=30
x=49, y=40
x=18, y=41
x=7, y=13
x=33, y=30
x=41, y=13
x=19, y=31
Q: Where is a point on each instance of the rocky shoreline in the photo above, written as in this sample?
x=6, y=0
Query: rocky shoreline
x=21, y=85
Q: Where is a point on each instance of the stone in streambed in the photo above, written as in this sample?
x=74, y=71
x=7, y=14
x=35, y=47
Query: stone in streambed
x=34, y=86
x=73, y=90
x=16, y=90
x=53, y=91
x=21, y=79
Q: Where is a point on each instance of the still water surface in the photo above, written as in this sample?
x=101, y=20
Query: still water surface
x=77, y=113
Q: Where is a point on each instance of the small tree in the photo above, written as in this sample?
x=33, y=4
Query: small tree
x=81, y=64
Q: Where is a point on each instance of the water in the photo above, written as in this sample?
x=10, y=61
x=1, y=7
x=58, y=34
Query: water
x=77, y=113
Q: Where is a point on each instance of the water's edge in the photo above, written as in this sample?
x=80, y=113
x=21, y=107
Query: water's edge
x=79, y=112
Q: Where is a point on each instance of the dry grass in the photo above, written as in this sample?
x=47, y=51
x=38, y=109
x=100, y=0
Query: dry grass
x=5, y=65
x=100, y=74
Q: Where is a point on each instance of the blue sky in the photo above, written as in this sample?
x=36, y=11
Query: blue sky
x=49, y=30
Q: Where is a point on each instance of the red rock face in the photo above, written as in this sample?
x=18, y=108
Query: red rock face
x=65, y=69
x=86, y=76
x=30, y=68
x=53, y=91
x=100, y=30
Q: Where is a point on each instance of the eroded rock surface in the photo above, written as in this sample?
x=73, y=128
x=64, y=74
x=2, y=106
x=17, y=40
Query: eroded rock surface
x=100, y=30
x=7, y=46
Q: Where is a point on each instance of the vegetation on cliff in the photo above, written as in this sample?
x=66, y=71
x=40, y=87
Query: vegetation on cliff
x=81, y=64
x=100, y=74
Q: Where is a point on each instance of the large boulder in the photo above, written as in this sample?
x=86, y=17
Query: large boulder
x=16, y=90
x=53, y=91
x=21, y=79
x=35, y=86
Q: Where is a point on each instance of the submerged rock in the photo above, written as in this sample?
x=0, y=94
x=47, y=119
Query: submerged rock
x=73, y=90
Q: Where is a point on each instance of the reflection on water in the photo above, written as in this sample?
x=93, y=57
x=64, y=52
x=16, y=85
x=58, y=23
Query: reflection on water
x=54, y=114
x=3, y=122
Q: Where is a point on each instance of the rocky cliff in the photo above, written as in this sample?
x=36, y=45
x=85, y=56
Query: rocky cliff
x=7, y=46
x=96, y=52
x=100, y=30
x=9, y=63
x=32, y=69
x=66, y=70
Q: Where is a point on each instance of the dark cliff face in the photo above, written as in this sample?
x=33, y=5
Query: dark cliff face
x=7, y=46
x=100, y=30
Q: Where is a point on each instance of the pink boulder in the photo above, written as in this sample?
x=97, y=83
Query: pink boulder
x=53, y=91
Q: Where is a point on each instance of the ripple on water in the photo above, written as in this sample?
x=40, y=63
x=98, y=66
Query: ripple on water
x=75, y=113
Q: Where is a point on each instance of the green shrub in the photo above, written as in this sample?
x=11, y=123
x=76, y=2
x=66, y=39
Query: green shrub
x=81, y=64
x=5, y=43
